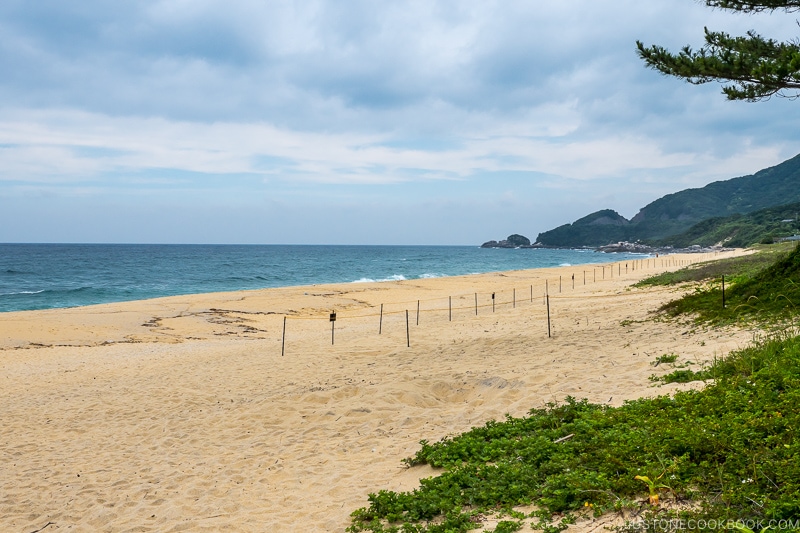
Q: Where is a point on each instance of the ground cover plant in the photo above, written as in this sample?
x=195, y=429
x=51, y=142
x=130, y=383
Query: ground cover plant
x=732, y=447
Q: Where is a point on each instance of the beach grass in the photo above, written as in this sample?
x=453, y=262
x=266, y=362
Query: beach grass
x=740, y=267
x=769, y=295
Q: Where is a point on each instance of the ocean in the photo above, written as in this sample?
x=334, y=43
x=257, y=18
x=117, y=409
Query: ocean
x=45, y=276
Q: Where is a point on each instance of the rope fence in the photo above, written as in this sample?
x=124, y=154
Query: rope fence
x=476, y=304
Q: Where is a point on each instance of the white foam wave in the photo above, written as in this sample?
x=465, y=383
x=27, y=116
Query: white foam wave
x=396, y=277
x=430, y=275
x=20, y=292
x=565, y=265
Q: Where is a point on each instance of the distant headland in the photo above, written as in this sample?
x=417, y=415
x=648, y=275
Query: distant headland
x=512, y=241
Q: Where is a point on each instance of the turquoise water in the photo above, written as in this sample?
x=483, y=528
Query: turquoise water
x=43, y=276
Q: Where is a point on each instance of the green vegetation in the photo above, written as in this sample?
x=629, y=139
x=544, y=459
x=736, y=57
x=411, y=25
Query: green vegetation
x=596, y=229
x=757, y=68
x=740, y=231
x=743, y=267
x=769, y=296
x=676, y=213
x=732, y=447
x=666, y=358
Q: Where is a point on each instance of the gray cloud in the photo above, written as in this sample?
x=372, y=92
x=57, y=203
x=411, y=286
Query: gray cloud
x=244, y=98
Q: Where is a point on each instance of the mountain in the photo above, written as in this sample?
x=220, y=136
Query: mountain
x=601, y=227
x=740, y=231
x=676, y=213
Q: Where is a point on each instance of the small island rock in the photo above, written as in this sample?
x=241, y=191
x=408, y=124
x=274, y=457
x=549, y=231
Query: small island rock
x=512, y=241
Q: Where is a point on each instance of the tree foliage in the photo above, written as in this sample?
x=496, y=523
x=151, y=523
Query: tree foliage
x=755, y=7
x=757, y=67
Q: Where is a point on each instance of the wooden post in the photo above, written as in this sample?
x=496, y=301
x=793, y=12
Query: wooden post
x=531, y=293
x=333, y=324
x=548, y=315
x=408, y=335
x=514, y=305
x=418, y=312
x=283, y=338
x=492, y=302
x=476, y=304
x=380, y=324
x=723, y=291
x=450, y=307
x=559, y=284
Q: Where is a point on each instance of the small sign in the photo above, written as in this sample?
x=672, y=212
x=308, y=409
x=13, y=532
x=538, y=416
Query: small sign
x=333, y=316
x=492, y=296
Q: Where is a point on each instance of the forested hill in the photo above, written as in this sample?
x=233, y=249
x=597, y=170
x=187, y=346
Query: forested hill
x=740, y=231
x=676, y=213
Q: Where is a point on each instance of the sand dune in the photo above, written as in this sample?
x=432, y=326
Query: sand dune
x=181, y=414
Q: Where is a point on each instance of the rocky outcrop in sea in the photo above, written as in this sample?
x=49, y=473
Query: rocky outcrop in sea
x=512, y=241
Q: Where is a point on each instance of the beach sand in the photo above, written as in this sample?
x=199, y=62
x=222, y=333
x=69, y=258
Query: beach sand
x=182, y=414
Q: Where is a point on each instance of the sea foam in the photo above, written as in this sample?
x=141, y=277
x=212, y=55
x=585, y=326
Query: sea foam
x=396, y=277
x=20, y=292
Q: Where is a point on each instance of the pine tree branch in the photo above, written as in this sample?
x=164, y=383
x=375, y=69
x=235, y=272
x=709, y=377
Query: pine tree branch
x=759, y=68
x=756, y=7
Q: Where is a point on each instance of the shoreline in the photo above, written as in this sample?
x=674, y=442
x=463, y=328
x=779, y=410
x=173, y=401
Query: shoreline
x=135, y=321
x=181, y=413
x=120, y=273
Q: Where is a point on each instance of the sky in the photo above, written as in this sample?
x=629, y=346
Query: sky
x=359, y=122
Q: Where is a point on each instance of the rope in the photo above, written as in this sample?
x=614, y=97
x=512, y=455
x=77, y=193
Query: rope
x=524, y=293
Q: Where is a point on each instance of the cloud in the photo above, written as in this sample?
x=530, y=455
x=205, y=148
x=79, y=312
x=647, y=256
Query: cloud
x=376, y=103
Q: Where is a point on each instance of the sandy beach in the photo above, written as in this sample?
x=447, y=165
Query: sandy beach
x=197, y=413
